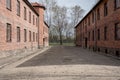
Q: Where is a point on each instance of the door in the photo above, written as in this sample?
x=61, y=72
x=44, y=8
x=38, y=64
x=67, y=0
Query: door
x=85, y=42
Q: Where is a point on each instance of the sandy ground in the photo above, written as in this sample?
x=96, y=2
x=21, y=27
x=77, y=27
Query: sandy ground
x=63, y=63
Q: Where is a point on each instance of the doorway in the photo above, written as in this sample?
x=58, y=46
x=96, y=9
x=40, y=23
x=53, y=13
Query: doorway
x=86, y=43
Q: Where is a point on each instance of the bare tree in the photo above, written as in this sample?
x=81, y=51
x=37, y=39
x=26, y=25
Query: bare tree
x=76, y=14
x=50, y=4
x=61, y=22
x=60, y=17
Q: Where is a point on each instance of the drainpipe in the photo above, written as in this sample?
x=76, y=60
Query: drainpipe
x=38, y=33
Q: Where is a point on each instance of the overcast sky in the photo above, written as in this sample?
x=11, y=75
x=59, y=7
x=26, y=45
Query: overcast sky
x=85, y=4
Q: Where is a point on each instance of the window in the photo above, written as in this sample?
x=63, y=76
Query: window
x=36, y=37
x=117, y=31
x=25, y=13
x=105, y=9
x=18, y=7
x=29, y=17
x=98, y=34
x=85, y=21
x=105, y=33
x=117, y=3
x=33, y=36
x=98, y=14
x=93, y=35
x=83, y=24
x=25, y=35
x=30, y=36
x=89, y=36
x=93, y=17
x=33, y=20
x=18, y=34
x=9, y=33
x=89, y=21
x=8, y=4
x=36, y=22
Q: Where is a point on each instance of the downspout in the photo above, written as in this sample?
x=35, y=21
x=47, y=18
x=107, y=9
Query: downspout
x=38, y=33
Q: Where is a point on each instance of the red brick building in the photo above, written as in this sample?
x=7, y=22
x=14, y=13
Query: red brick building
x=45, y=35
x=21, y=25
x=100, y=28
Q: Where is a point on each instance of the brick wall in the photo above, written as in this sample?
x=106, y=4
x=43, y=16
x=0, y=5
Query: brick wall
x=11, y=17
x=40, y=10
x=85, y=31
x=46, y=36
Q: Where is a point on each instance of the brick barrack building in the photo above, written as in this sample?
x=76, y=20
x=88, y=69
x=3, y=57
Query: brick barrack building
x=22, y=25
x=100, y=28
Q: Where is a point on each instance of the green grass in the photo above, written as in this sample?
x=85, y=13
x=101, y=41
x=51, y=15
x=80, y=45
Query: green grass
x=64, y=44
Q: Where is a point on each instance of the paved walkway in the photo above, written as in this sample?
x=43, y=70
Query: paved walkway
x=63, y=63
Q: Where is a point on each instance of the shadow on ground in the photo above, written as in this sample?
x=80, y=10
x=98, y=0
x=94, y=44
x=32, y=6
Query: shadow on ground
x=69, y=55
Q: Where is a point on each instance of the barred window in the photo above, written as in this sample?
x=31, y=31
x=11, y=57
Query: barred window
x=9, y=33
x=117, y=31
x=18, y=34
x=33, y=20
x=93, y=17
x=36, y=37
x=25, y=35
x=105, y=9
x=33, y=36
x=36, y=22
x=8, y=4
x=25, y=13
x=105, y=33
x=30, y=36
x=98, y=34
x=18, y=7
x=98, y=14
x=89, y=21
x=93, y=35
x=117, y=3
x=29, y=17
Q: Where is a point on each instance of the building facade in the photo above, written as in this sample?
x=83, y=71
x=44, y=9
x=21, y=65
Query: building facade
x=100, y=28
x=21, y=25
x=45, y=35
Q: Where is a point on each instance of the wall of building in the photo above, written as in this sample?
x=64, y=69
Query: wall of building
x=46, y=36
x=35, y=26
x=40, y=10
x=87, y=29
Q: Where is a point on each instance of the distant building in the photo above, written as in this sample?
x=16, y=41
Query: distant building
x=100, y=28
x=46, y=36
x=21, y=25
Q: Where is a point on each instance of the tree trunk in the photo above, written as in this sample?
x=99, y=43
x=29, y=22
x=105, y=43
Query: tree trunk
x=61, y=41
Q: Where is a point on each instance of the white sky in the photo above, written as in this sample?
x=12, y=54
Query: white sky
x=85, y=4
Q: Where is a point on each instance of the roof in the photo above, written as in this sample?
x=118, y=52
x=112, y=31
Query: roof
x=89, y=12
x=46, y=24
x=38, y=5
x=31, y=7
